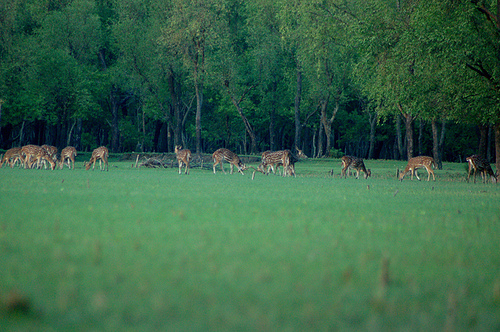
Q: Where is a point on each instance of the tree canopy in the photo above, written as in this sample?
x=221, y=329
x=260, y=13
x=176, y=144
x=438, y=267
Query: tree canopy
x=374, y=78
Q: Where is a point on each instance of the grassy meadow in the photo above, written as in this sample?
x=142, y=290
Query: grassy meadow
x=149, y=249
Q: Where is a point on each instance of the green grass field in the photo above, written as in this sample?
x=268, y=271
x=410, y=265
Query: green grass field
x=149, y=249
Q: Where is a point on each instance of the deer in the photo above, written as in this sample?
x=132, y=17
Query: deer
x=38, y=154
x=229, y=156
x=351, y=162
x=272, y=159
x=291, y=158
x=69, y=154
x=11, y=156
x=419, y=162
x=481, y=165
x=100, y=153
x=284, y=158
x=183, y=158
x=51, y=151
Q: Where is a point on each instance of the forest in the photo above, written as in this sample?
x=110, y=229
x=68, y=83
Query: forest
x=380, y=79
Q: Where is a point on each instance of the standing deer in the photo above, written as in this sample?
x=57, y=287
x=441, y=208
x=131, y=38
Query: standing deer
x=419, y=162
x=350, y=162
x=229, y=156
x=100, y=153
x=11, y=156
x=290, y=159
x=69, y=154
x=283, y=158
x=272, y=159
x=481, y=165
x=183, y=158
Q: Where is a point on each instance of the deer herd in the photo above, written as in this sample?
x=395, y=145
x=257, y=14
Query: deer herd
x=34, y=156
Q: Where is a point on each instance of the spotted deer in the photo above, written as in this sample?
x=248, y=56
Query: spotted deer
x=34, y=153
x=11, y=157
x=183, y=158
x=481, y=165
x=419, y=162
x=69, y=154
x=51, y=150
x=291, y=158
x=272, y=160
x=355, y=163
x=285, y=158
x=102, y=154
x=229, y=156
x=29, y=152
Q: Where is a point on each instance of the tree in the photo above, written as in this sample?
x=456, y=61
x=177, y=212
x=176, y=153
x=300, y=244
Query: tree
x=192, y=32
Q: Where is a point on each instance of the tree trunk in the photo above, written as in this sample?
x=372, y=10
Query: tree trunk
x=298, y=96
x=483, y=139
x=248, y=126
x=115, y=129
x=320, y=140
x=199, y=104
x=399, y=137
x=172, y=85
x=272, y=125
x=420, y=136
x=372, y=118
x=497, y=146
x=327, y=122
x=77, y=140
x=435, y=145
x=409, y=132
x=409, y=136
x=441, y=142
x=1, y=136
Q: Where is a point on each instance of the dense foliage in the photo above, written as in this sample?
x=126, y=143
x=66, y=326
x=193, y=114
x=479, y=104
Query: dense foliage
x=375, y=78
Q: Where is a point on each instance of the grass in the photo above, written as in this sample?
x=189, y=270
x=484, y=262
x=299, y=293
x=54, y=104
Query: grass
x=143, y=249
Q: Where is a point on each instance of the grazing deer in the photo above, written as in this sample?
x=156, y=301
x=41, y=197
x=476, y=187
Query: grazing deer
x=183, y=158
x=11, y=156
x=481, y=165
x=69, y=154
x=229, y=156
x=51, y=151
x=38, y=154
x=100, y=153
x=27, y=153
x=419, y=162
x=350, y=162
x=264, y=166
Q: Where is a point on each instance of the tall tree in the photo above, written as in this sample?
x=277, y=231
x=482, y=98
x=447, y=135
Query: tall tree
x=192, y=32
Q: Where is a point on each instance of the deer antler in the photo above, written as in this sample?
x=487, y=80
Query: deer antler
x=255, y=170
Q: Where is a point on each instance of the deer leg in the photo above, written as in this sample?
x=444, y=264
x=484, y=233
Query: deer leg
x=231, y=167
x=343, y=172
x=416, y=174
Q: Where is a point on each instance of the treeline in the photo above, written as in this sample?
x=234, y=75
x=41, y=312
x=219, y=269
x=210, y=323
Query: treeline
x=373, y=78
